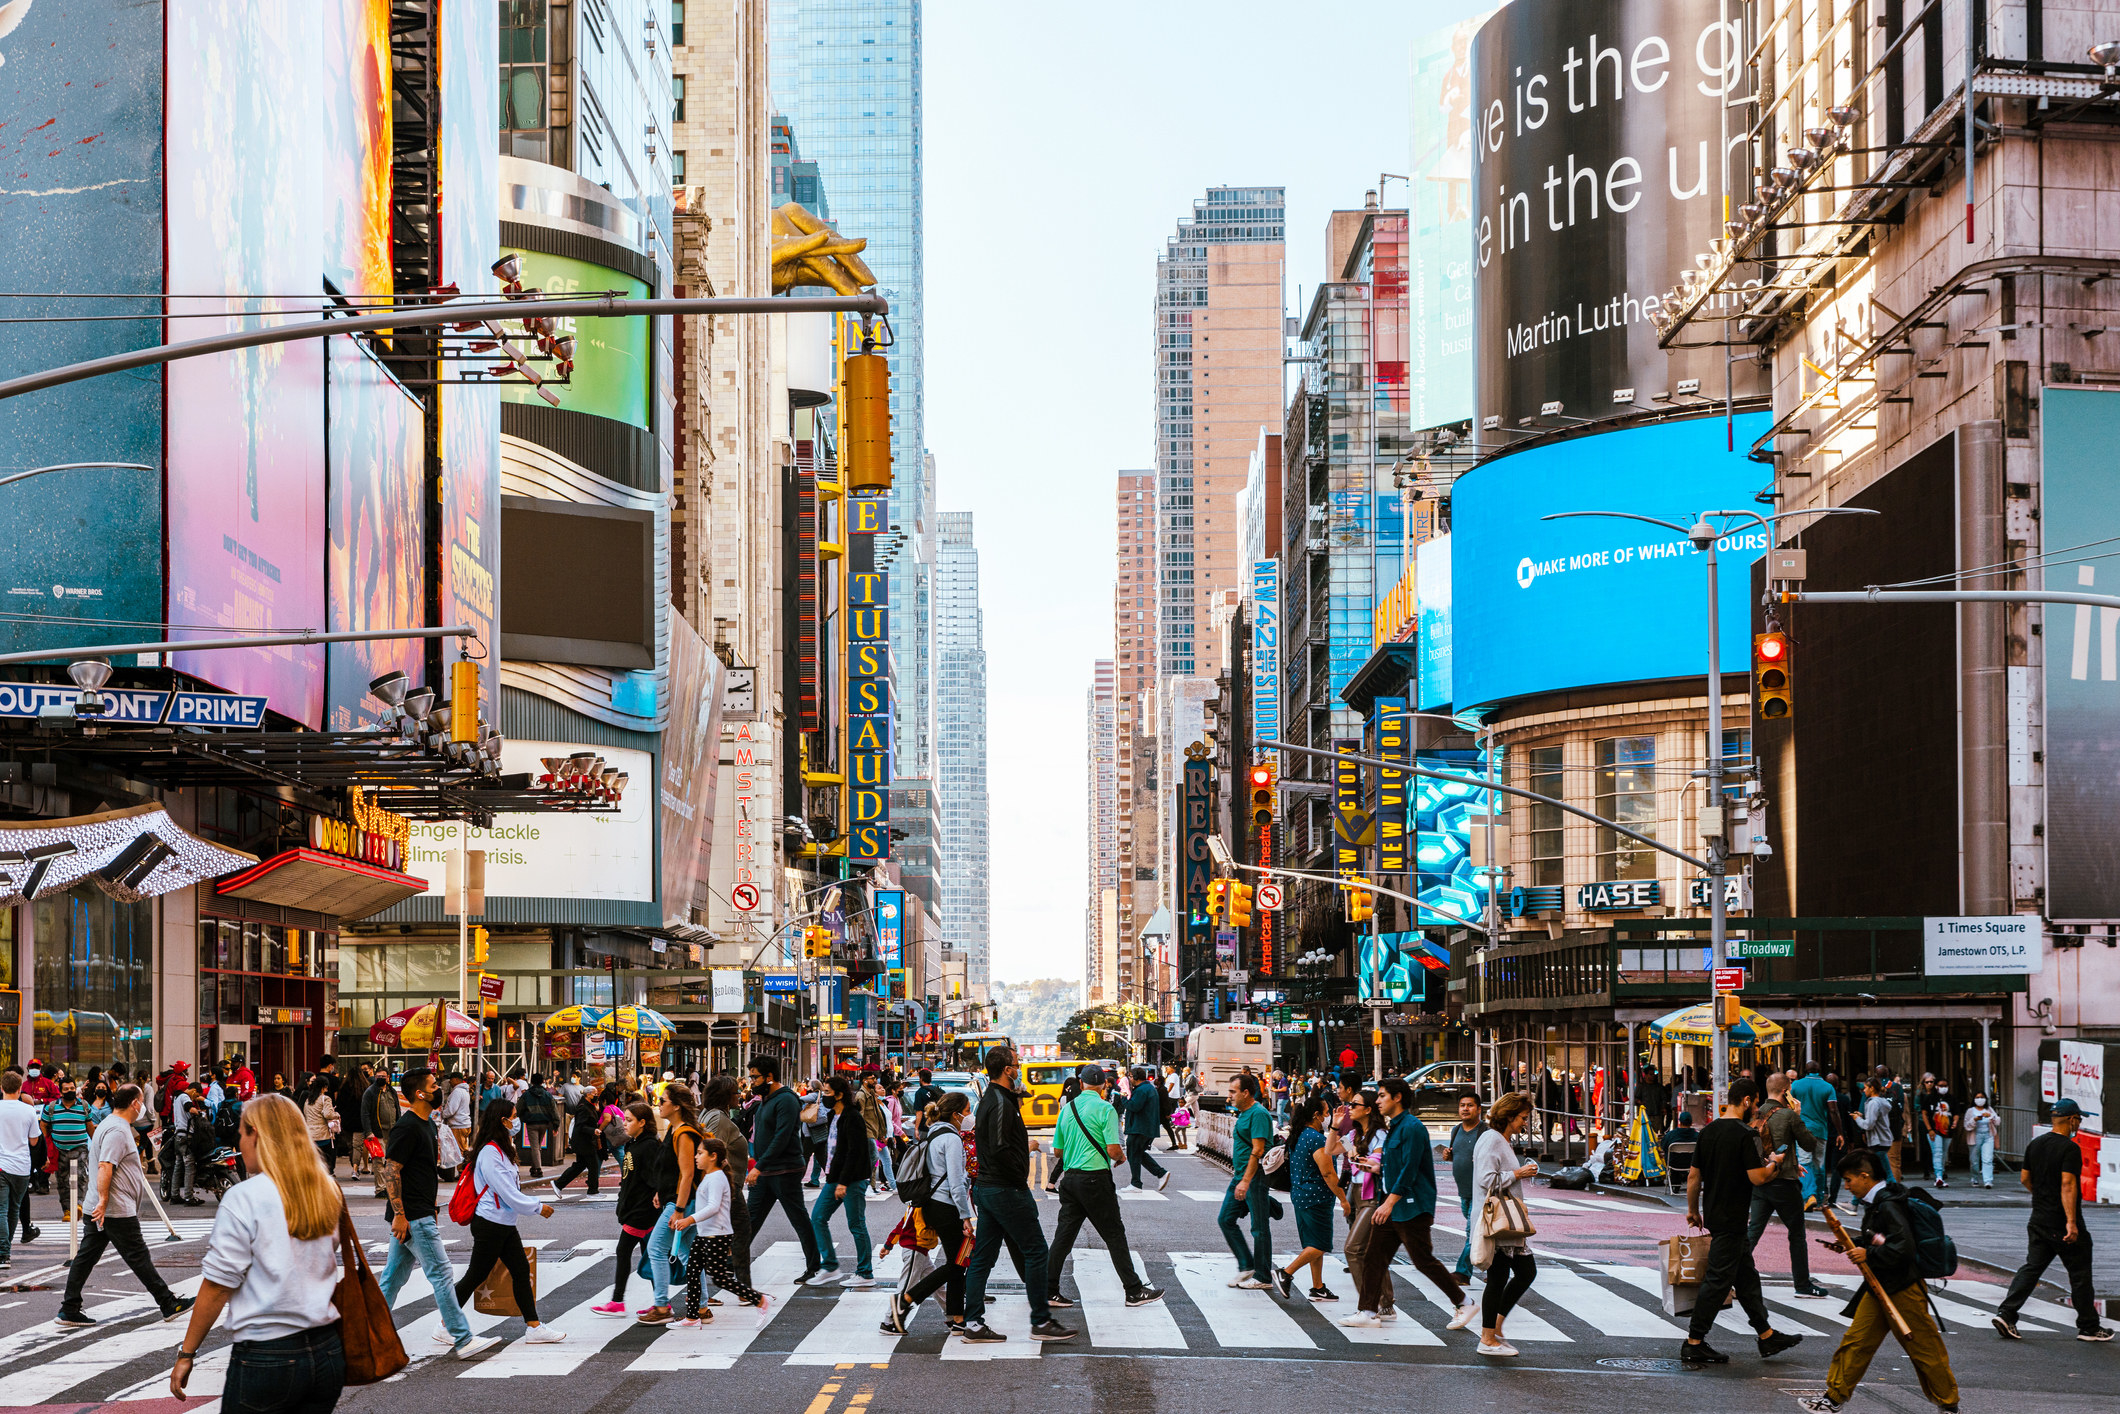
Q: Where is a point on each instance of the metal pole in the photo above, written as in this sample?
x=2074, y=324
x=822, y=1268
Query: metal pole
x=1718, y=931
x=273, y=640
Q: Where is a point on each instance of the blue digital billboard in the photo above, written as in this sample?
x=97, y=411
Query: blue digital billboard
x=1541, y=606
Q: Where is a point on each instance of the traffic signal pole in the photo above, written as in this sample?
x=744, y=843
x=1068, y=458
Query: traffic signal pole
x=1717, y=843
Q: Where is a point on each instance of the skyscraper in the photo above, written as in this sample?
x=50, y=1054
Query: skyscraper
x=960, y=734
x=847, y=76
x=1218, y=381
x=1100, y=959
x=1134, y=674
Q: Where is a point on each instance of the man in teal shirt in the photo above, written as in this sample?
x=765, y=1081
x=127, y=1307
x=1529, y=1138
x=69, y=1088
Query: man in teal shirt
x=1819, y=1108
x=1087, y=1135
x=1247, y=1188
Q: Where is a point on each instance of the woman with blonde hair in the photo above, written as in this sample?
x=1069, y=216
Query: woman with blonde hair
x=272, y=1262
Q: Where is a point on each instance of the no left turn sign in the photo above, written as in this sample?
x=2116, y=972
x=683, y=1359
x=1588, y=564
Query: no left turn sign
x=1270, y=897
x=745, y=897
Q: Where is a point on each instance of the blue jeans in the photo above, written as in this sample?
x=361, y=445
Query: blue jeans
x=1258, y=1257
x=1939, y=1152
x=884, y=1167
x=1464, y=1261
x=661, y=1240
x=1983, y=1157
x=1810, y=1175
x=14, y=1198
x=856, y=1204
x=423, y=1244
x=299, y=1374
x=1007, y=1215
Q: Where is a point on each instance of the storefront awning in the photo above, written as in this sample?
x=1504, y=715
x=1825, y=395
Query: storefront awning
x=323, y=883
x=131, y=855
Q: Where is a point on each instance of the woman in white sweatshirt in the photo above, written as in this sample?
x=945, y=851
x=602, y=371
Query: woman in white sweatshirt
x=494, y=1240
x=1496, y=1173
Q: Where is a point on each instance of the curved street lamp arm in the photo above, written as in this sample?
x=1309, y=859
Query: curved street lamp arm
x=1601, y=515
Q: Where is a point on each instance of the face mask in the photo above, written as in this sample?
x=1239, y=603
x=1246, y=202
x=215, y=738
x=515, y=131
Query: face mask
x=34, y=1072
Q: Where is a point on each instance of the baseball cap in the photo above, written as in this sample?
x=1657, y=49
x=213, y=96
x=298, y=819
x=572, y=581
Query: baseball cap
x=2065, y=1108
x=1091, y=1075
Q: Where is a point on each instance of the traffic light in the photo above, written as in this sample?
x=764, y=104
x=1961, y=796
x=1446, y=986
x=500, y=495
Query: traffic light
x=1728, y=1010
x=1361, y=904
x=866, y=423
x=463, y=700
x=1773, y=694
x=1262, y=797
x=480, y=946
x=1218, y=900
x=1239, y=904
x=817, y=942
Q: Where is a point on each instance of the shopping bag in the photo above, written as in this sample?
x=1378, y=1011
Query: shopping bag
x=1504, y=1218
x=496, y=1294
x=1685, y=1257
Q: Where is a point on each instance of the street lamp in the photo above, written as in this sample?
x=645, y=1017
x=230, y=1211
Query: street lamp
x=1704, y=536
x=72, y=466
x=1312, y=965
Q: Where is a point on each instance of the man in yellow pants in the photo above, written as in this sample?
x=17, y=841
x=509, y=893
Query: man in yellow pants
x=1885, y=1246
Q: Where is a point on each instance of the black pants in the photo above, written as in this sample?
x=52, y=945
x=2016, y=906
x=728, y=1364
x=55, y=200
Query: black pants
x=1729, y=1268
x=1508, y=1278
x=1782, y=1198
x=715, y=1257
x=1091, y=1194
x=628, y=1245
x=947, y=1224
x=123, y=1234
x=739, y=1231
x=297, y=1374
x=785, y=1189
x=492, y=1243
x=2075, y=1258
x=590, y=1163
x=1138, y=1157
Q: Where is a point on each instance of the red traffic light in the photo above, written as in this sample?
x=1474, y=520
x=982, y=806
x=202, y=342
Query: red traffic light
x=1261, y=776
x=1772, y=647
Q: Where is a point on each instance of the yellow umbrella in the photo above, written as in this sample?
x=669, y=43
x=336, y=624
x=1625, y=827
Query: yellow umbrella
x=1695, y=1026
x=640, y=1021
x=576, y=1018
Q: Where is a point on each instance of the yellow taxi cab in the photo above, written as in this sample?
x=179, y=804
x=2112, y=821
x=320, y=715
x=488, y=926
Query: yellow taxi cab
x=1041, y=1083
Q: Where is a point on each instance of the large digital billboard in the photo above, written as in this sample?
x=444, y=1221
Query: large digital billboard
x=2082, y=676
x=1439, y=250
x=81, y=209
x=376, y=567
x=611, y=367
x=1543, y=605
x=357, y=125
x=245, y=242
x=1595, y=129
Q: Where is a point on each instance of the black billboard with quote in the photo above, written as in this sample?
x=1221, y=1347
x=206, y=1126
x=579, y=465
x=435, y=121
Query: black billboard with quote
x=1595, y=181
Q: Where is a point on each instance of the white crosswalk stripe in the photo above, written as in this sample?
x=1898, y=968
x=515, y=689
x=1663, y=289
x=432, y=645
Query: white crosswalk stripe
x=49, y=1378
x=717, y=1345
x=1599, y=1306
x=1110, y=1322
x=1522, y=1323
x=1142, y=1195
x=1731, y=1319
x=1239, y=1318
x=1203, y=1195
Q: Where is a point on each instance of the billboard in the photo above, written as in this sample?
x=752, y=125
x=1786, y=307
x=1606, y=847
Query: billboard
x=245, y=237
x=1444, y=878
x=607, y=854
x=356, y=94
x=376, y=569
x=890, y=927
x=690, y=745
x=1439, y=250
x=1431, y=608
x=1393, y=731
x=870, y=700
x=1266, y=651
x=2082, y=676
x=81, y=205
x=1594, y=156
x=470, y=550
x=611, y=368
x=1553, y=604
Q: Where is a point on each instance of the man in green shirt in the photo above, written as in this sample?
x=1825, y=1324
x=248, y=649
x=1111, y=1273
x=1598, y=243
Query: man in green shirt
x=1087, y=1135
x=1247, y=1188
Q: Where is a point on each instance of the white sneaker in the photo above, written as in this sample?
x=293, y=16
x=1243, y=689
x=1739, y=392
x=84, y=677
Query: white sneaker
x=545, y=1334
x=1387, y=1317
x=1163, y=1183
x=858, y=1283
x=444, y=1338
x=824, y=1279
x=476, y=1346
x=1499, y=1349
x=1251, y=1283
x=1464, y=1315
x=1361, y=1320
x=1239, y=1278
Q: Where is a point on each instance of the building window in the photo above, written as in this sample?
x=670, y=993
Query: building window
x=1626, y=795
x=677, y=41
x=677, y=165
x=1544, y=763
x=677, y=98
x=1737, y=758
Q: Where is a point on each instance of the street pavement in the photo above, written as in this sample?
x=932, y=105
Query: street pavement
x=1591, y=1330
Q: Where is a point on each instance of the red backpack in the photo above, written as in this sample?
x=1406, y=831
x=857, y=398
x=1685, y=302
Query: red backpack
x=464, y=1201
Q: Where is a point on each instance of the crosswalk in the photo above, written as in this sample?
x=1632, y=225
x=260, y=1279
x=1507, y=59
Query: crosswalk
x=1574, y=1301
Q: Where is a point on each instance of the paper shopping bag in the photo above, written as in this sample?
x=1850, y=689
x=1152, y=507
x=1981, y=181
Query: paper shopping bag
x=496, y=1294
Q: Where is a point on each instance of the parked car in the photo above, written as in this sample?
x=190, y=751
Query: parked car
x=1437, y=1085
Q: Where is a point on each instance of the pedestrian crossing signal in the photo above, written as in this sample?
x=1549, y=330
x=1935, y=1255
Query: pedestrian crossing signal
x=1773, y=697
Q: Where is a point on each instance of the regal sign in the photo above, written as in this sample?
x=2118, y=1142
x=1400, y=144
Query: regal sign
x=352, y=842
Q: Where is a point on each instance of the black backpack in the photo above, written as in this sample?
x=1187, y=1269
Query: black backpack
x=1935, y=1254
x=228, y=1120
x=917, y=1177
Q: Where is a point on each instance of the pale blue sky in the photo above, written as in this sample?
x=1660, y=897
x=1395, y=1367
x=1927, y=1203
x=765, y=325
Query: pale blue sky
x=1063, y=143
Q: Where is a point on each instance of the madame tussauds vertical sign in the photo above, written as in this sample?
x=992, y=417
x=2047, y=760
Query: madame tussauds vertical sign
x=1596, y=179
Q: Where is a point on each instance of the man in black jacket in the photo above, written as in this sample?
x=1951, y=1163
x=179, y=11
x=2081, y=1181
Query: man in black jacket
x=777, y=1160
x=1006, y=1211
x=1885, y=1246
x=1144, y=1116
x=540, y=1117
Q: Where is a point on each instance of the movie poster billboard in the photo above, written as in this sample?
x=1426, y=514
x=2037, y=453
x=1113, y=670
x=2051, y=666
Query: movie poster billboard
x=377, y=570
x=246, y=538
x=471, y=418
x=356, y=92
x=81, y=210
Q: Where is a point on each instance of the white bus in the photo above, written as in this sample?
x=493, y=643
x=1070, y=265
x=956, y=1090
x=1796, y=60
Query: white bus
x=1218, y=1050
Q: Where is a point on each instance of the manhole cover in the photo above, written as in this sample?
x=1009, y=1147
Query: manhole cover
x=1640, y=1362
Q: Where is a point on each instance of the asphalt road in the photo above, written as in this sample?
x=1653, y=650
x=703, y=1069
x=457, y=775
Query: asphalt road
x=1591, y=1334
